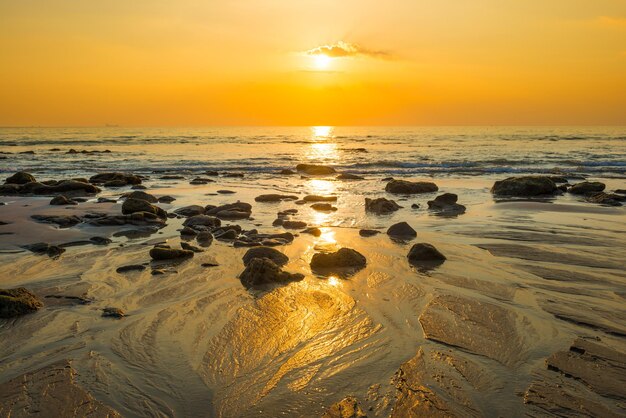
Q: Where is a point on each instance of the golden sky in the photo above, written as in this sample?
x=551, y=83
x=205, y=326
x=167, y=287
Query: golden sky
x=312, y=62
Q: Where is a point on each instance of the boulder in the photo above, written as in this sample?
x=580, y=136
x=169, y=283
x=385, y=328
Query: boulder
x=586, y=187
x=381, y=206
x=119, y=178
x=204, y=238
x=368, y=232
x=166, y=199
x=238, y=210
x=202, y=221
x=262, y=271
x=343, y=258
x=191, y=210
x=424, y=253
x=602, y=198
x=348, y=176
x=293, y=224
x=401, y=230
x=274, y=197
x=316, y=198
x=276, y=256
x=137, y=205
x=315, y=170
x=323, y=207
x=63, y=221
x=166, y=253
x=410, y=187
x=20, y=177
x=61, y=200
x=526, y=186
x=138, y=194
x=445, y=204
x=16, y=302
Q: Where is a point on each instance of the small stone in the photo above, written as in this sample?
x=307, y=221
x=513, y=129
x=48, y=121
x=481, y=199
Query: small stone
x=111, y=312
x=368, y=232
x=323, y=207
x=162, y=253
x=132, y=267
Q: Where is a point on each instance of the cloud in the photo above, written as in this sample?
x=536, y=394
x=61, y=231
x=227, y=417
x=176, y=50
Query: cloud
x=346, y=49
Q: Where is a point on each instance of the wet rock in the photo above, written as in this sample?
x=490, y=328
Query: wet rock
x=157, y=272
x=262, y=271
x=558, y=179
x=112, y=312
x=105, y=200
x=233, y=175
x=200, y=180
x=204, y=238
x=425, y=255
x=323, y=207
x=117, y=178
x=172, y=177
x=131, y=267
x=20, y=177
x=223, y=191
x=41, y=248
x=198, y=221
x=238, y=210
x=100, y=240
x=166, y=253
x=139, y=187
x=381, y=206
x=186, y=246
x=166, y=199
x=620, y=191
x=63, y=221
x=245, y=243
x=368, y=232
x=137, y=218
x=315, y=170
x=66, y=187
x=586, y=187
x=191, y=210
x=526, y=186
x=287, y=172
x=276, y=256
x=274, y=197
x=271, y=240
x=142, y=196
x=401, y=230
x=316, y=198
x=16, y=302
x=211, y=173
x=293, y=224
x=209, y=265
x=338, y=261
x=189, y=232
x=410, y=187
x=610, y=199
x=62, y=201
x=316, y=232
x=131, y=206
x=445, y=204
x=225, y=234
x=348, y=176
x=346, y=408
x=415, y=206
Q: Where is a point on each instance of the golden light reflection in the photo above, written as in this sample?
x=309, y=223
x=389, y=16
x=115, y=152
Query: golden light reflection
x=322, y=132
x=334, y=281
x=327, y=237
x=321, y=61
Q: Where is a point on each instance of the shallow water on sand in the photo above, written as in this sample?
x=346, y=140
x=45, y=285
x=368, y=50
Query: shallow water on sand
x=522, y=280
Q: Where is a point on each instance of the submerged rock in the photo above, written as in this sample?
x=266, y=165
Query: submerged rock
x=274, y=197
x=313, y=169
x=445, y=204
x=138, y=194
x=316, y=198
x=41, y=248
x=323, y=207
x=410, y=187
x=276, y=256
x=131, y=206
x=166, y=253
x=131, y=267
x=115, y=178
x=62, y=201
x=586, y=187
x=191, y=210
x=262, y=271
x=381, y=206
x=198, y=222
x=401, y=230
x=610, y=199
x=346, y=408
x=368, y=232
x=525, y=186
x=348, y=176
x=21, y=177
x=16, y=302
x=316, y=232
x=344, y=258
x=63, y=221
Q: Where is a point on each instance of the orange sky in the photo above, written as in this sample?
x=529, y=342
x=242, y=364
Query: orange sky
x=256, y=62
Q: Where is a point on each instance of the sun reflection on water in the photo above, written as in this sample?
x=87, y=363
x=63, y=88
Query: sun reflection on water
x=334, y=281
x=321, y=132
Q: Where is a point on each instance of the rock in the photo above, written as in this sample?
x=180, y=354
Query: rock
x=136, y=205
x=620, y=191
x=211, y=173
x=105, y=200
x=410, y=187
x=115, y=183
x=368, y=232
x=415, y=206
x=189, y=232
x=191, y=210
x=111, y=312
x=233, y=175
x=204, y=238
x=446, y=204
x=316, y=232
x=381, y=206
x=345, y=408
x=63, y=221
x=172, y=177
x=274, y=197
x=138, y=187
x=137, y=218
x=225, y=234
x=100, y=240
x=119, y=178
x=65, y=187
x=16, y=302
x=587, y=187
x=132, y=267
x=186, y=246
x=262, y=271
x=222, y=191
x=157, y=272
x=424, y=254
x=323, y=207
x=232, y=214
x=209, y=265
x=558, y=179
x=276, y=256
x=316, y=198
x=238, y=210
x=344, y=258
x=200, y=180
x=20, y=177
x=610, y=199
x=312, y=169
x=166, y=199
x=526, y=186
x=293, y=224
x=142, y=196
x=272, y=239
x=401, y=230
x=287, y=172
x=62, y=200
x=41, y=248
x=166, y=253
x=198, y=221
x=348, y=176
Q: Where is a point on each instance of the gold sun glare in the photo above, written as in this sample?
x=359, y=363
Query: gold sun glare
x=321, y=61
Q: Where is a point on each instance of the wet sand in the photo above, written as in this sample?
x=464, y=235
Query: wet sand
x=526, y=317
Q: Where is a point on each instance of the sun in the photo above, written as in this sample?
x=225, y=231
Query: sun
x=321, y=61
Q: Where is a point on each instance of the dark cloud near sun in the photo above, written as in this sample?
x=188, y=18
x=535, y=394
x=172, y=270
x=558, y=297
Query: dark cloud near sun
x=346, y=49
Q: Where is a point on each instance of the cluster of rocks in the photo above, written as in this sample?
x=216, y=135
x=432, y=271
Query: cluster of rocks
x=16, y=302
x=445, y=204
x=22, y=183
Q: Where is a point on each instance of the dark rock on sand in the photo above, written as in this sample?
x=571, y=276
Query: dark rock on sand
x=62, y=200
x=41, y=248
x=336, y=262
x=425, y=255
x=142, y=196
x=316, y=232
x=16, y=302
x=381, y=206
x=137, y=205
x=209, y=265
x=401, y=230
x=197, y=222
x=233, y=175
x=348, y=176
x=137, y=218
x=323, y=207
x=346, y=408
x=526, y=186
x=188, y=232
x=204, y=238
x=191, y=210
x=610, y=199
x=276, y=256
x=115, y=178
x=315, y=170
x=287, y=172
x=132, y=267
x=105, y=200
x=262, y=271
x=586, y=187
x=67, y=187
x=225, y=234
x=63, y=221
x=316, y=198
x=172, y=177
x=166, y=253
x=410, y=187
x=445, y=204
x=293, y=224
x=200, y=180
x=100, y=240
x=238, y=210
x=186, y=246
x=368, y=232
x=139, y=187
x=166, y=199
x=111, y=312
x=620, y=191
x=415, y=206
x=223, y=191
x=20, y=177
x=274, y=197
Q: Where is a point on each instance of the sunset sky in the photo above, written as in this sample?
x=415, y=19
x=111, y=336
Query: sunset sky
x=318, y=62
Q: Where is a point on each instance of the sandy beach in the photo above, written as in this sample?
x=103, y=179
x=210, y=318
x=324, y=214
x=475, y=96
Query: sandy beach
x=523, y=316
